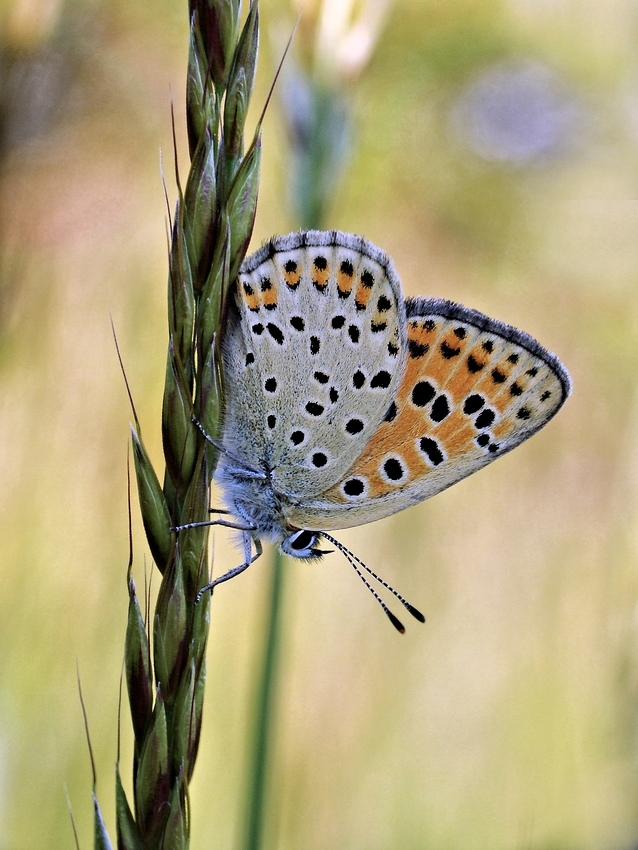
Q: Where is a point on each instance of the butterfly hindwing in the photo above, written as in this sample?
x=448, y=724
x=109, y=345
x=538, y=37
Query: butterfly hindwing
x=472, y=389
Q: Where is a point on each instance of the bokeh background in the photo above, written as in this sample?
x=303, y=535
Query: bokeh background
x=494, y=155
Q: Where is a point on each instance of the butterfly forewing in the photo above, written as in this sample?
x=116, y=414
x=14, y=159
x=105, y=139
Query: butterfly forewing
x=472, y=389
x=315, y=348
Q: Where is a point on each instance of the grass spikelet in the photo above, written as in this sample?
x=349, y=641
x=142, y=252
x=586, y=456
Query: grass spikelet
x=210, y=232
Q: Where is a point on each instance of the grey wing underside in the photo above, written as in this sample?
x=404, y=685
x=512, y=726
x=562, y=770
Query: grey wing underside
x=294, y=349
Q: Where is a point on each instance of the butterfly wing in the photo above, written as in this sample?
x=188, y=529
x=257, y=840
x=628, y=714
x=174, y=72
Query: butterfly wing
x=473, y=389
x=313, y=353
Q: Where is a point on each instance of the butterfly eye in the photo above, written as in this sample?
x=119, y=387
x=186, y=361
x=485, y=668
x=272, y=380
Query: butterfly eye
x=302, y=540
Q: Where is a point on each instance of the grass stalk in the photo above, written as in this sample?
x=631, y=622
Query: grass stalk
x=316, y=160
x=265, y=708
x=165, y=656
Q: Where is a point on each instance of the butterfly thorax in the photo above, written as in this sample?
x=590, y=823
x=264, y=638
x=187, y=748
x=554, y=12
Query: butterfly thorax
x=251, y=496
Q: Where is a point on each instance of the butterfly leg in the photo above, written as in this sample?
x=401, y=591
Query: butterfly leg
x=248, y=469
x=223, y=522
x=249, y=559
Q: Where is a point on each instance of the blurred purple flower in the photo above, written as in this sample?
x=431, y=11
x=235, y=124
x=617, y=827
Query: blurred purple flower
x=517, y=112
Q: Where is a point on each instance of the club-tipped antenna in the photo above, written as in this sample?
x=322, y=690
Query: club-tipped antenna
x=352, y=558
x=398, y=625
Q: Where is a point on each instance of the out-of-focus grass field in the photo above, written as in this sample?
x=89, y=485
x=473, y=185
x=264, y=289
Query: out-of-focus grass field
x=509, y=720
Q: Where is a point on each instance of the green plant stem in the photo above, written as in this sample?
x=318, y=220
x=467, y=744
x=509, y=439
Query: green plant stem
x=312, y=200
x=265, y=709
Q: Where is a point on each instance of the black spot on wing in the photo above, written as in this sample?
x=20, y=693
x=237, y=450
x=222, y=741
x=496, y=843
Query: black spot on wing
x=381, y=380
x=358, y=379
x=473, y=403
x=431, y=450
x=485, y=419
x=298, y=323
x=423, y=393
x=354, y=426
x=314, y=408
x=417, y=349
x=440, y=409
x=448, y=352
x=275, y=332
x=353, y=487
x=393, y=469
x=391, y=415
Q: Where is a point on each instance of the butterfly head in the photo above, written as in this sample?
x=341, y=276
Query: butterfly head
x=301, y=543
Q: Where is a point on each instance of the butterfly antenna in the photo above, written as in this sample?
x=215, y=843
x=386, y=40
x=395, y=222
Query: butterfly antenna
x=347, y=554
x=352, y=558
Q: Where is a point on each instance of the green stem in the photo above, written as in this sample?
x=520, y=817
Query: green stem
x=312, y=199
x=265, y=711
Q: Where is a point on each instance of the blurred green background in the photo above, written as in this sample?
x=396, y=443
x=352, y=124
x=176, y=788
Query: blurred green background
x=495, y=157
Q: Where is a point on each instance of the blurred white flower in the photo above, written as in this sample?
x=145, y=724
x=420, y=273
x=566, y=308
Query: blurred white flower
x=332, y=46
x=517, y=112
x=29, y=22
x=346, y=33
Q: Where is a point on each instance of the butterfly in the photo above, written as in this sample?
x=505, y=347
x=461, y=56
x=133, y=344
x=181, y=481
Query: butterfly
x=346, y=402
